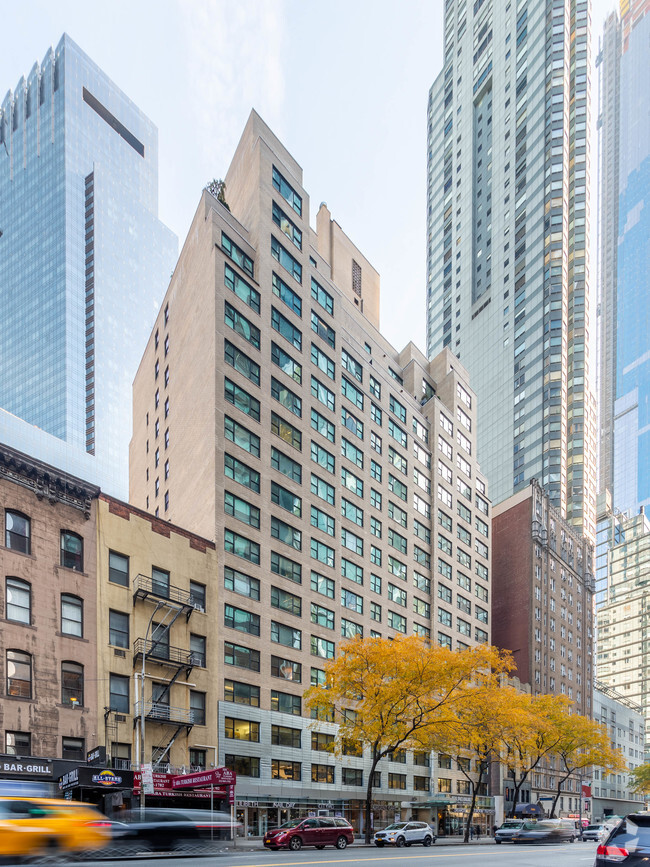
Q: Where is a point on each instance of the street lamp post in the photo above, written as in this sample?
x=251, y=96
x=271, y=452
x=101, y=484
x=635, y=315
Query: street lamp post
x=159, y=605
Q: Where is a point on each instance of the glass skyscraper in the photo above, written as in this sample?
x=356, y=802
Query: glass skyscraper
x=507, y=228
x=84, y=262
x=624, y=327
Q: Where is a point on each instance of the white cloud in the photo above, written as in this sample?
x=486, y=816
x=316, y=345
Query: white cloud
x=234, y=63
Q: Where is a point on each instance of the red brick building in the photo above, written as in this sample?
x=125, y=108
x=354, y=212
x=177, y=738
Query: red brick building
x=542, y=596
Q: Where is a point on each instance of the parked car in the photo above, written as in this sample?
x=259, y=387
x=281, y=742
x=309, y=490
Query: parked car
x=547, y=831
x=505, y=832
x=48, y=826
x=319, y=832
x=405, y=834
x=627, y=844
x=592, y=833
x=165, y=829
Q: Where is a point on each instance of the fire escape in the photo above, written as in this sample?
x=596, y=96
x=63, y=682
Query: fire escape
x=164, y=662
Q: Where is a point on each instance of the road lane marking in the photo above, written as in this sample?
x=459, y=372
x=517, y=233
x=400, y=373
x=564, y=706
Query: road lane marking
x=375, y=858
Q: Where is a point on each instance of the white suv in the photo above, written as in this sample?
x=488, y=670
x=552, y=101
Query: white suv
x=405, y=834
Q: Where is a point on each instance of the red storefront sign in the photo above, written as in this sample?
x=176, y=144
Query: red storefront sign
x=163, y=786
x=203, y=779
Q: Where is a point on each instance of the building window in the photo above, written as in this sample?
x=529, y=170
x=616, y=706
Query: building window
x=244, y=621
x=72, y=684
x=285, y=702
x=282, y=736
x=240, y=656
x=18, y=596
x=197, y=650
x=282, y=769
x=120, y=756
x=197, y=595
x=118, y=629
x=119, y=693
x=72, y=615
x=160, y=582
x=118, y=569
x=18, y=532
x=197, y=707
x=286, y=669
x=72, y=551
x=287, y=192
x=73, y=748
x=241, y=729
x=19, y=674
x=18, y=743
x=243, y=766
x=322, y=774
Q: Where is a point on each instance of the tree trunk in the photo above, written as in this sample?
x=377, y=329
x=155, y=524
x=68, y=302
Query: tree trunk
x=558, y=792
x=368, y=808
x=475, y=788
x=518, y=786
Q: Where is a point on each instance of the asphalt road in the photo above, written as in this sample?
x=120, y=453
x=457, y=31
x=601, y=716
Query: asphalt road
x=484, y=855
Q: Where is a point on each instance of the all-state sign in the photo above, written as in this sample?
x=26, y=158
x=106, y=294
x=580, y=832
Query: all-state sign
x=202, y=779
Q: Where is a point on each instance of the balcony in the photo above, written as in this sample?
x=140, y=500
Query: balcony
x=165, y=654
x=165, y=713
x=145, y=587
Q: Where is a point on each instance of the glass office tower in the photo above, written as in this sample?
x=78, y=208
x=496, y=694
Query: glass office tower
x=624, y=359
x=507, y=253
x=84, y=261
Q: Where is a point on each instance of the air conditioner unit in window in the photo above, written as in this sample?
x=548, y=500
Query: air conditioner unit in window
x=121, y=653
x=198, y=606
x=119, y=717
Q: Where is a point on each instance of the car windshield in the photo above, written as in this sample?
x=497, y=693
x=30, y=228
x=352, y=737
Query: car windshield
x=516, y=824
x=292, y=823
x=396, y=826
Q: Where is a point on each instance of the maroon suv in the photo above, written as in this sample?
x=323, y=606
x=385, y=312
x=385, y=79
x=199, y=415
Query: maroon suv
x=321, y=832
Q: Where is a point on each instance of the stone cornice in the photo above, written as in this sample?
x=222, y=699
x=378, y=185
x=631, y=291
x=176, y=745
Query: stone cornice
x=46, y=482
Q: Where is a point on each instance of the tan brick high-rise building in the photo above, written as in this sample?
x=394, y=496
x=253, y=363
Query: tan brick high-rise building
x=337, y=476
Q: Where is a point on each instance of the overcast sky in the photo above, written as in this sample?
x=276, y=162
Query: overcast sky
x=343, y=84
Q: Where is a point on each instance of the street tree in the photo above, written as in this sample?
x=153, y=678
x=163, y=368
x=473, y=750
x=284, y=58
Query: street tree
x=397, y=694
x=477, y=736
x=640, y=779
x=583, y=743
x=532, y=735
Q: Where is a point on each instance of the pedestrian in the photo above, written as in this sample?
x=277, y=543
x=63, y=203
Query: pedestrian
x=471, y=832
x=477, y=831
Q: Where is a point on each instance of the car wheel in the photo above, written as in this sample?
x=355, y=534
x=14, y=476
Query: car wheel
x=341, y=843
x=400, y=842
x=572, y=839
x=295, y=843
x=498, y=842
x=427, y=841
x=320, y=846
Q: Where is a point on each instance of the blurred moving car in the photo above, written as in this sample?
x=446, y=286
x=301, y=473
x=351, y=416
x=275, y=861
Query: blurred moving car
x=592, y=833
x=319, y=832
x=547, y=831
x=405, y=834
x=627, y=844
x=165, y=829
x=48, y=826
x=505, y=832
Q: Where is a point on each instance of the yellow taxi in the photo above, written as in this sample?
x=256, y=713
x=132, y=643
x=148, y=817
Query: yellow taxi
x=33, y=826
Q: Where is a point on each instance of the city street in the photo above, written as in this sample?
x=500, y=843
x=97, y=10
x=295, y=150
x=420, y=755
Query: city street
x=485, y=855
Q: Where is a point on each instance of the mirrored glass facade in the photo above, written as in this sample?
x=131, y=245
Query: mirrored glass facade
x=84, y=259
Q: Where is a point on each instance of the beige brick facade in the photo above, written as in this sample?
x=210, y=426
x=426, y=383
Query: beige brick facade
x=337, y=476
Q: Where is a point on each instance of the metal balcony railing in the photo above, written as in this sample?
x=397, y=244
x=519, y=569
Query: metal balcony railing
x=145, y=585
x=165, y=654
x=165, y=713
